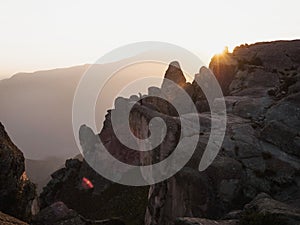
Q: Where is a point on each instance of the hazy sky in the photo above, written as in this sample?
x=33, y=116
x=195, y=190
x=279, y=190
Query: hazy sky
x=37, y=35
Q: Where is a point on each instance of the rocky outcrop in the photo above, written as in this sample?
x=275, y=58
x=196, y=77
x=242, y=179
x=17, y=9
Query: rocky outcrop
x=275, y=61
x=105, y=200
x=175, y=74
x=16, y=191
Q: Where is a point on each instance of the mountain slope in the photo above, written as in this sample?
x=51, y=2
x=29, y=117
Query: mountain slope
x=36, y=108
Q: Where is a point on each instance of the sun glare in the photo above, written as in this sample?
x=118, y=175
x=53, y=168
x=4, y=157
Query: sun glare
x=224, y=52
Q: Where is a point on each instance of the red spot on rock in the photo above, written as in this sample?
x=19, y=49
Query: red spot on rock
x=86, y=183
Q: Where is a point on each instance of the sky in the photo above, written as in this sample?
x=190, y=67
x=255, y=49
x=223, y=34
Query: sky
x=38, y=35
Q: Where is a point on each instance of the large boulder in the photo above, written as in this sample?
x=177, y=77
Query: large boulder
x=265, y=210
x=59, y=214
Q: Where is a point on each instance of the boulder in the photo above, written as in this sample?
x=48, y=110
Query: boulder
x=264, y=208
x=57, y=214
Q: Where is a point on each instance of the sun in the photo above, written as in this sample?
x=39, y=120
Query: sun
x=224, y=52
x=220, y=52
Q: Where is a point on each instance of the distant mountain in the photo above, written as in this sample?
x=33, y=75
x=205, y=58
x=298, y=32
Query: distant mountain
x=36, y=108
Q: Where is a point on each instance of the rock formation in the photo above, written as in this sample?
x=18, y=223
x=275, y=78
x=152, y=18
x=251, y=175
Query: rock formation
x=260, y=152
x=16, y=191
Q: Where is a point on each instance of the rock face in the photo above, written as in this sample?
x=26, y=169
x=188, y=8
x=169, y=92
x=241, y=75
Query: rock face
x=16, y=191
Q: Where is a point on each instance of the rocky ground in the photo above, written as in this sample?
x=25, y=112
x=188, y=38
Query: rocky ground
x=255, y=179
